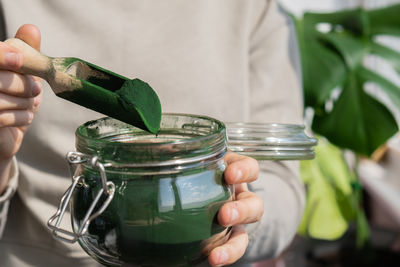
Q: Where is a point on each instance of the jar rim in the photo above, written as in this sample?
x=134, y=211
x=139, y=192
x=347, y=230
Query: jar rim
x=182, y=139
x=270, y=141
x=81, y=134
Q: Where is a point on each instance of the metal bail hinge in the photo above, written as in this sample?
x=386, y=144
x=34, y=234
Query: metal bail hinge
x=108, y=188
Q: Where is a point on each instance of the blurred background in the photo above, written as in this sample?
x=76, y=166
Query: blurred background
x=350, y=55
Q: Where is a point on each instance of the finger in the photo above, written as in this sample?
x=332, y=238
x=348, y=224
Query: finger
x=8, y=102
x=19, y=85
x=10, y=57
x=240, y=169
x=232, y=250
x=30, y=34
x=247, y=208
x=36, y=102
x=15, y=118
x=239, y=188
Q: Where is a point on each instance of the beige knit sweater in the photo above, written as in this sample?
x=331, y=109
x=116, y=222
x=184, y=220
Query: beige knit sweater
x=228, y=59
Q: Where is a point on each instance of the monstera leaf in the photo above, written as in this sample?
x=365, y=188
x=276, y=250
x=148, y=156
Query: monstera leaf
x=333, y=47
x=333, y=196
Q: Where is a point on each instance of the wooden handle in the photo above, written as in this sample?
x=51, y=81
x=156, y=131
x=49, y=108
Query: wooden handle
x=34, y=62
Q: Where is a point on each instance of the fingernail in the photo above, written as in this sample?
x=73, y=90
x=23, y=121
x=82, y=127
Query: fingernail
x=234, y=215
x=222, y=257
x=239, y=175
x=36, y=88
x=13, y=60
x=30, y=116
x=36, y=101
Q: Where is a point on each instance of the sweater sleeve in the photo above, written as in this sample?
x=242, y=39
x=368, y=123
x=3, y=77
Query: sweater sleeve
x=275, y=96
x=7, y=195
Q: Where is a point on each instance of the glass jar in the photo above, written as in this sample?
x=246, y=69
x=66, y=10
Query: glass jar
x=152, y=200
x=147, y=200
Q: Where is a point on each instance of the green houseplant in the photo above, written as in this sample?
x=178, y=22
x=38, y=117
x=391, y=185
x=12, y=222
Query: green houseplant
x=333, y=63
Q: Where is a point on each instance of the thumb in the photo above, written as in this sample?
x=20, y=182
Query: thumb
x=30, y=34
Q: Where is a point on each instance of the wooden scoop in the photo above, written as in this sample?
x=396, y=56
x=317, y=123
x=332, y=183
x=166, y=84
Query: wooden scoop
x=131, y=101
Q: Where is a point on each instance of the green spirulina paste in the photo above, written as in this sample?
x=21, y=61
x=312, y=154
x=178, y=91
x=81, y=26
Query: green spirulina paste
x=139, y=96
x=154, y=220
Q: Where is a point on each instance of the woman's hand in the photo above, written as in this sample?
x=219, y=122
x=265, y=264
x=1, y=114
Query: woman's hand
x=19, y=98
x=246, y=208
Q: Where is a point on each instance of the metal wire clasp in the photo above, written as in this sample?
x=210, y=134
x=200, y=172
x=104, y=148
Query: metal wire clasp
x=108, y=188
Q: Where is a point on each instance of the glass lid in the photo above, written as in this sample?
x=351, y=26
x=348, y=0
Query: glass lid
x=270, y=141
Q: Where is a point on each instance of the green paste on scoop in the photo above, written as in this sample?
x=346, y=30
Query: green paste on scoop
x=130, y=101
x=138, y=95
